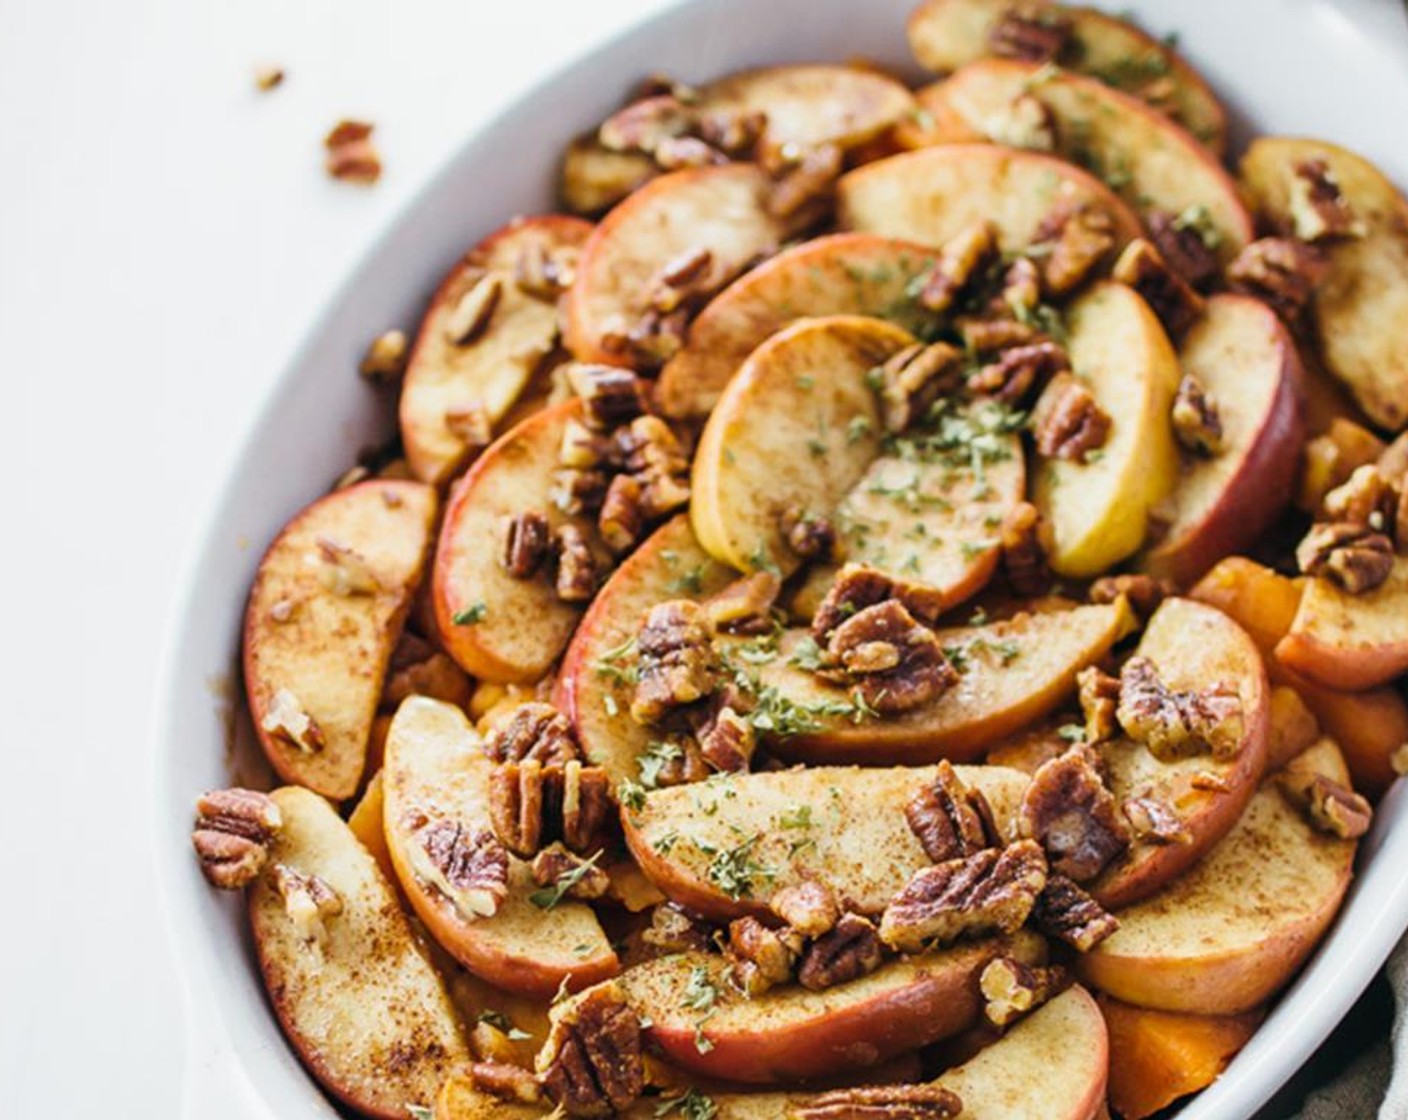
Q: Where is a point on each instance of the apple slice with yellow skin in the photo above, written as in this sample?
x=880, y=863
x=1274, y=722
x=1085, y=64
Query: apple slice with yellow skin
x=840, y=274
x=497, y=627
x=724, y=846
x=790, y=1034
x=1246, y=360
x=1148, y=159
x=1193, y=647
x=445, y=378
x=326, y=610
x=928, y=196
x=797, y=427
x=353, y=991
x=593, y=687
x=1098, y=509
x=1356, y=307
x=1235, y=928
x=947, y=34
x=436, y=769
x=721, y=209
x=1350, y=642
x=1012, y=673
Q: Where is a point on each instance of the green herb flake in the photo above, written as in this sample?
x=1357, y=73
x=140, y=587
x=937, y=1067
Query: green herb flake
x=658, y=754
x=692, y=1105
x=420, y=1112
x=472, y=615
x=550, y=896
x=1072, y=732
x=734, y=870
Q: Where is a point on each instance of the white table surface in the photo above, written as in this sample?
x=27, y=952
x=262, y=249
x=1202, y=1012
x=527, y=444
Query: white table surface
x=166, y=234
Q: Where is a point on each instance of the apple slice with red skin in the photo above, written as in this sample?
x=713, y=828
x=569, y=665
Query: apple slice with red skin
x=327, y=607
x=1193, y=647
x=1350, y=642
x=720, y=209
x=1246, y=360
x=491, y=370
x=497, y=627
x=436, y=770
x=362, y=1006
x=840, y=274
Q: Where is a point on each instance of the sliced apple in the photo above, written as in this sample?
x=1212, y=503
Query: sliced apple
x=1193, y=647
x=367, y=822
x=928, y=196
x=790, y=1034
x=1245, y=359
x=1098, y=509
x=1143, y=155
x=797, y=428
x=1012, y=673
x=1356, y=308
x=719, y=209
x=326, y=610
x=947, y=34
x=1350, y=642
x=724, y=846
x=1233, y=930
x=848, y=273
x=435, y=770
x=594, y=178
x=376, y=1029
x=449, y=383
x=495, y=626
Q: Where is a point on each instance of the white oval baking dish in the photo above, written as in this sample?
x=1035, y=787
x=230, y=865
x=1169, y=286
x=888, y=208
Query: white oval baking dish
x=1331, y=68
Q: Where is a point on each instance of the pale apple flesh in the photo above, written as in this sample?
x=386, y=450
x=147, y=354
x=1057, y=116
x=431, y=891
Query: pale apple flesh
x=328, y=603
x=436, y=770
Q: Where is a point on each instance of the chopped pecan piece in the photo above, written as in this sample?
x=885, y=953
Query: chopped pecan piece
x=810, y=907
x=1281, y=272
x=651, y=452
x=611, y=396
x=1196, y=420
x=942, y=815
x=1330, y=807
x=506, y=1081
x=351, y=155
x=584, y=449
x=576, y=566
x=286, y=721
x=992, y=890
x=1186, y=242
x=1168, y=295
x=622, y=518
x=1021, y=289
x=1143, y=593
x=1066, y=912
x=882, y=1102
x=642, y=125
x=686, y=279
x=913, y=378
x=1352, y=556
x=585, y=879
x=469, y=318
x=1011, y=989
x=745, y=605
x=1024, y=122
x=1023, y=554
x=1019, y=369
x=962, y=257
x=526, y=544
x=1099, y=695
x=1153, y=821
x=803, y=194
x=1079, y=241
x=1319, y=210
x=677, y=661
x=470, y=870
x=579, y=492
x=532, y=805
x=591, y=1064
x=989, y=336
x=727, y=740
x=232, y=834
x=385, y=359
x=1067, y=422
x=1176, y=724
x=470, y=424
x=1070, y=812
x=894, y=662
x=735, y=132
x=849, y=950
x=1031, y=33
x=542, y=273
x=809, y=536
x=535, y=731
x=762, y=957
x=687, y=151
x=344, y=571
x=857, y=587
x=309, y=901
x=674, y=930
x=1366, y=498
x=652, y=340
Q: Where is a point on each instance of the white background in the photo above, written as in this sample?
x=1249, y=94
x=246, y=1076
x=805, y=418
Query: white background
x=166, y=235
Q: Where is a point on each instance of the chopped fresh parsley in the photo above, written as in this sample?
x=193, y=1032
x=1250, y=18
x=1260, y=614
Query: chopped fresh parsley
x=499, y=1021
x=631, y=795
x=550, y=896
x=471, y=615
x=1072, y=732
x=692, y=1105
x=658, y=754
x=734, y=870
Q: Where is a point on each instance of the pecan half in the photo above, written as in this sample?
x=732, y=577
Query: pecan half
x=1168, y=295
x=576, y=566
x=286, y=720
x=1012, y=989
x=555, y=862
x=1368, y=497
x=849, y=950
x=1319, y=210
x=989, y=891
x=895, y=663
x=677, y=661
x=1070, y=812
x=1196, y=420
x=1354, y=557
x=745, y=605
x=913, y=378
x=309, y=901
x=591, y=1064
x=1174, y=724
x=1099, y=695
x=232, y=834
x=1143, y=593
x=761, y=957
x=532, y=805
x=1079, y=240
x=611, y=396
x=1019, y=369
x=857, y=587
x=506, y=1081
x=988, y=336
x=942, y=815
x=535, y=731
x=962, y=257
x=811, y=537
x=1152, y=821
x=642, y=125
x=1064, y=911
x=1186, y=243
x=1281, y=272
x=675, y=930
x=351, y=155
x=527, y=542
x=1023, y=554
x=470, y=869
x=1330, y=807
x=882, y=1102
x=1067, y=421
x=810, y=907
x=1031, y=33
